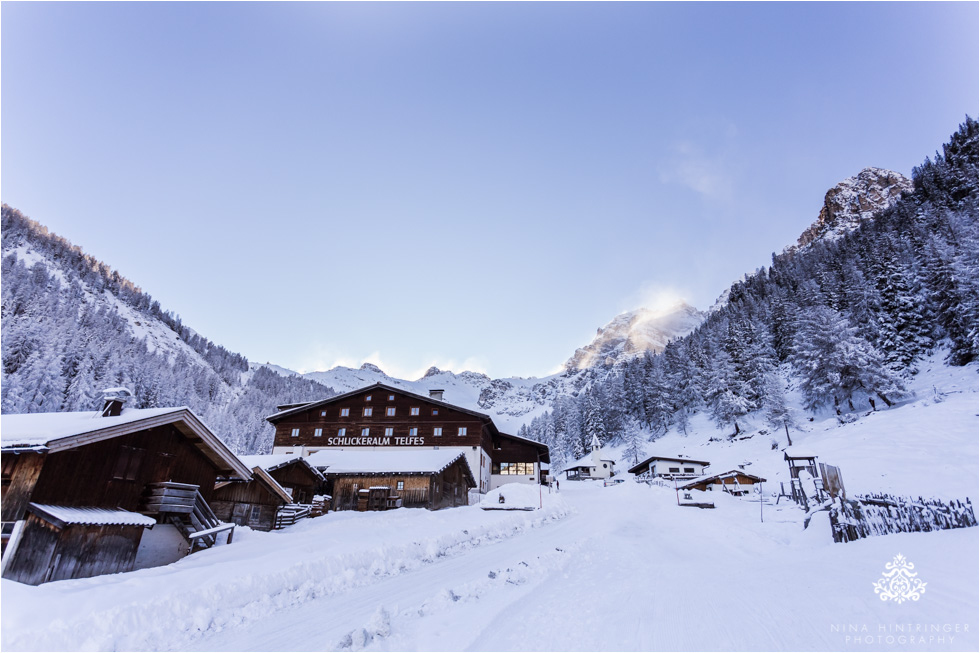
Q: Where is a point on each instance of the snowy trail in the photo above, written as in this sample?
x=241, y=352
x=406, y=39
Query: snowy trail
x=609, y=578
x=325, y=623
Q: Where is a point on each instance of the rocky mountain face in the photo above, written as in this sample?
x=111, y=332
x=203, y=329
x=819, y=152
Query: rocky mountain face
x=635, y=332
x=854, y=200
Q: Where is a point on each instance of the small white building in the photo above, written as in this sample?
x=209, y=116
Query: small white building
x=592, y=465
x=671, y=468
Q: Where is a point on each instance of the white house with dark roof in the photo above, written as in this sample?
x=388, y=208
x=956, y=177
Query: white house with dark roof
x=670, y=467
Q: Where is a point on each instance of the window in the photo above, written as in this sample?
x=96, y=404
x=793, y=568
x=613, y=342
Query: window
x=413, y=431
x=688, y=470
x=391, y=397
x=437, y=430
x=513, y=469
x=345, y=412
x=317, y=433
x=435, y=411
x=128, y=463
x=413, y=411
x=367, y=398
x=389, y=431
x=256, y=512
x=401, y=485
x=365, y=431
x=674, y=470
x=323, y=413
x=295, y=433
x=341, y=432
x=461, y=431
x=368, y=411
x=390, y=411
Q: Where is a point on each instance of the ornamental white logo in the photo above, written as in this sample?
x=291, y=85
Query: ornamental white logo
x=899, y=583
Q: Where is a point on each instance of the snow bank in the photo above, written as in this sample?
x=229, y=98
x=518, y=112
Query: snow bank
x=257, y=575
x=522, y=496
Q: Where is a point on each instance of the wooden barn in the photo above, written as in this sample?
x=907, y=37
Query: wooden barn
x=90, y=493
x=294, y=473
x=378, y=480
x=734, y=481
x=281, y=489
x=254, y=503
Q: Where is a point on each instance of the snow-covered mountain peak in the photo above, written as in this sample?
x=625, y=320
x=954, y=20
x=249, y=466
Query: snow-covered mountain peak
x=634, y=332
x=852, y=201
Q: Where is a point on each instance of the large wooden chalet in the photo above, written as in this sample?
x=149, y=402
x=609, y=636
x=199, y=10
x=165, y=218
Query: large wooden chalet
x=90, y=493
x=385, y=418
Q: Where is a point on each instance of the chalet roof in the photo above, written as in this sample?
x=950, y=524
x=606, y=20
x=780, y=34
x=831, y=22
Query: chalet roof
x=402, y=461
x=293, y=409
x=262, y=476
x=720, y=477
x=299, y=408
x=794, y=453
x=640, y=467
x=586, y=461
x=55, y=432
x=62, y=516
x=272, y=462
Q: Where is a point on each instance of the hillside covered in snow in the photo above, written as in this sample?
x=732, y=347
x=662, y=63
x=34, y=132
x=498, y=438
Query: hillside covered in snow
x=73, y=326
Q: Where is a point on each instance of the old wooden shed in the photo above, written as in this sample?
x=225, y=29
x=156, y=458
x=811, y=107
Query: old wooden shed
x=421, y=478
x=81, y=491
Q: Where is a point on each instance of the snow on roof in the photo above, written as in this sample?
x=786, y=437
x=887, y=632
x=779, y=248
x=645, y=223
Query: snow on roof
x=798, y=452
x=723, y=475
x=350, y=461
x=269, y=462
x=34, y=429
x=586, y=461
x=99, y=516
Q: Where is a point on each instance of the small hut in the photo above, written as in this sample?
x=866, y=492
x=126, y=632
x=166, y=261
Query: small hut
x=254, y=503
x=735, y=481
x=293, y=472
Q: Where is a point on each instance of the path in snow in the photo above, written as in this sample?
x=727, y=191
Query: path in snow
x=632, y=571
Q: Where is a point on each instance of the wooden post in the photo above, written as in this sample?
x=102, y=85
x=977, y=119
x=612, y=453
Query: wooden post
x=760, y=503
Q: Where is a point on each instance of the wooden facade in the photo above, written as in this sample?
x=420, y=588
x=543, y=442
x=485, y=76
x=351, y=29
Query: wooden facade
x=253, y=503
x=400, y=419
x=72, y=550
x=299, y=479
x=109, y=463
x=733, y=482
x=445, y=489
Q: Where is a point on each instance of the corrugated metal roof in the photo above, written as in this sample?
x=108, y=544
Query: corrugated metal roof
x=98, y=516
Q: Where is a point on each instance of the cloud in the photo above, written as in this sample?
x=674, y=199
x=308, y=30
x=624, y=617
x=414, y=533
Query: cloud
x=706, y=174
x=657, y=297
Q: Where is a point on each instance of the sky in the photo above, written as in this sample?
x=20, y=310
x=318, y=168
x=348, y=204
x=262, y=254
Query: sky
x=468, y=185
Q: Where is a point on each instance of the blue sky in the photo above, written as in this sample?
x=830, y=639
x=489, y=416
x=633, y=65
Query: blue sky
x=468, y=185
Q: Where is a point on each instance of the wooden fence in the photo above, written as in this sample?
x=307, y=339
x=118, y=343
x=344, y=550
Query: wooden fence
x=882, y=514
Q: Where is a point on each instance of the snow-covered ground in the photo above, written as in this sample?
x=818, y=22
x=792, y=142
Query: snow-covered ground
x=599, y=568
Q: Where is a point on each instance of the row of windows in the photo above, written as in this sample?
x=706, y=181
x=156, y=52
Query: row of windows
x=390, y=398
x=677, y=470
x=518, y=469
x=389, y=412
x=317, y=433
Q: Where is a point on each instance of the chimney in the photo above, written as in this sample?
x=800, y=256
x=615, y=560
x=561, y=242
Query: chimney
x=113, y=400
x=436, y=394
